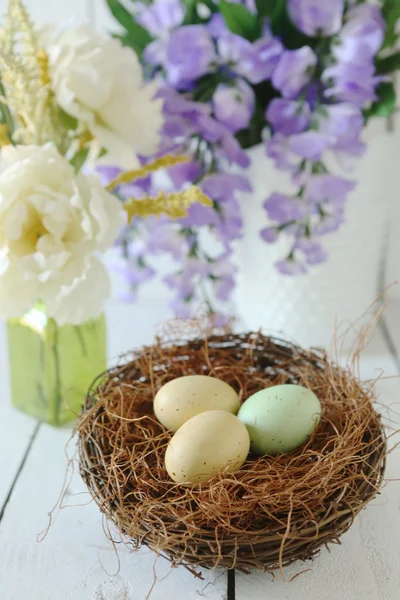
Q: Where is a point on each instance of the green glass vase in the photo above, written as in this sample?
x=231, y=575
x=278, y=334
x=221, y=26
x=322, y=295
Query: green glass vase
x=52, y=366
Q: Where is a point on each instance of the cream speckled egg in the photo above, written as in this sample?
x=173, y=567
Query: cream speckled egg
x=181, y=399
x=204, y=444
x=280, y=418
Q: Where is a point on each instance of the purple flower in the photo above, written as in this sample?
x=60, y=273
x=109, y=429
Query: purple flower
x=198, y=215
x=220, y=186
x=162, y=16
x=331, y=221
x=223, y=274
x=216, y=26
x=290, y=266
x=264, y=59
x=210, y=129
x=367, y=12
x=354, y=50
x=288, y=116
x=182, y=308
x=134, y=271
x=159, y=19
x=230, y=149
x=230, y=225
x=344, y=122
x=226, y=220
x=176, y=104
x=236, y=52
x=314, y=252
x=219, y=319
x=362, y=35
x=138, y=189
x=294, y=71
x=282, y=208
x=184, y=281
x=255, y=62
x=325, y=187
x=269, y=234
x=316, y=17
x=154, y=53
x=162, y=237
x=309, y=144
x=184, y=173
x=107, y=173
x=233, y=105
x=190, y=53
x=278, y=149
x=350, y=83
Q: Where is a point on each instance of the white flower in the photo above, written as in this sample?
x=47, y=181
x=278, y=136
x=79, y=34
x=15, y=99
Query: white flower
x=100, y=83
x=52, y=222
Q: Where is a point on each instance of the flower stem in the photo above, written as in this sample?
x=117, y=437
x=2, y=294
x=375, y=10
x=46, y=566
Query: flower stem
x=5, y=112
x=57, y=373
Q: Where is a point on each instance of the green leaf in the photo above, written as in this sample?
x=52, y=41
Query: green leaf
x=192, y=16
x=391, y=14
x=78, y=160
x=267, y=8
x=283, y=27
x=240, y=20
x=137, y=37
x=206, y=87
x=6, y=116
x=388, y=64
x=68, y=121
x=386, y=103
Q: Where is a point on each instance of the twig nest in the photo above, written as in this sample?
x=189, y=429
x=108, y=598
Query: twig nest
x=274, y=509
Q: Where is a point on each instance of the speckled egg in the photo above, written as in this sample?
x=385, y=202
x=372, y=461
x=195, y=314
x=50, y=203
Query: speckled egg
x=185, y=397
x=204, y=444
x=280, y=418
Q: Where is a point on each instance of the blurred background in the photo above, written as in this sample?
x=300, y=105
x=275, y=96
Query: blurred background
x=374, y=242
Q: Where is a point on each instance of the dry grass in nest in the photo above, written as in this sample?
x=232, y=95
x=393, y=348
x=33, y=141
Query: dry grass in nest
x=275, y=510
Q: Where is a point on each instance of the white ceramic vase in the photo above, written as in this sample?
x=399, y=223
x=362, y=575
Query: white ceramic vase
x=310, y=308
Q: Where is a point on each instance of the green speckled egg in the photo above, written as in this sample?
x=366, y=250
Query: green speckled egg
x=280, y=418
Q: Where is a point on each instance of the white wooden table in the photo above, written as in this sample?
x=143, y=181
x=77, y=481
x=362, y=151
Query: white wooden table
x=77, y=562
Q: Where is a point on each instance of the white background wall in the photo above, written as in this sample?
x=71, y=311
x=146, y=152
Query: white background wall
x=96, y=12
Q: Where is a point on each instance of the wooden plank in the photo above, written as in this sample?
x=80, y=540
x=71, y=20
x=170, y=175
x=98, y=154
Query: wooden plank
x=76, y=561
x=16, y=429
x=365, y=566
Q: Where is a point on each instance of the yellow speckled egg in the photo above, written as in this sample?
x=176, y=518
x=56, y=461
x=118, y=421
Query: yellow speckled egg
x=204, y=444
x=181, y=399
x=280, y=418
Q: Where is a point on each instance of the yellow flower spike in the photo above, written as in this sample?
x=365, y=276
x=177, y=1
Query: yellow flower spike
x=43, y=63
x=173, y=205
x=159, y=163
x=25, y=76
x=84, y=140
x=4, y=136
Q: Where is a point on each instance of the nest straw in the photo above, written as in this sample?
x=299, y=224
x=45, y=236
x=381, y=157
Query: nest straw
x=274, y=510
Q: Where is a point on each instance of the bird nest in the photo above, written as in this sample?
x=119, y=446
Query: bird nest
x=275, y=509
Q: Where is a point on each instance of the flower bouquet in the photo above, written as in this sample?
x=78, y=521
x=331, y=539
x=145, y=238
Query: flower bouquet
x=302, y=78
x=66, y=101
